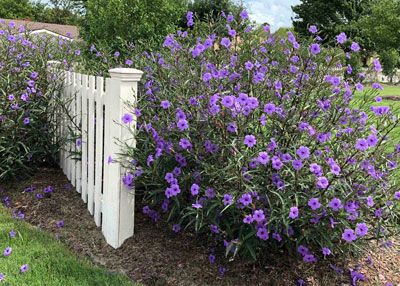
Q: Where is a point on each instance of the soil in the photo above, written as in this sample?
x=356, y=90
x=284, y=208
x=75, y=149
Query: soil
x=157, y=256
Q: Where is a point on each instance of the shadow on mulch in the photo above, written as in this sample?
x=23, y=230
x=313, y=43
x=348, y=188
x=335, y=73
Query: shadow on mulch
x=157, y=256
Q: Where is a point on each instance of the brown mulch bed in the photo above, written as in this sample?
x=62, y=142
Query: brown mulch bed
x=157, y=256
x=391, y=97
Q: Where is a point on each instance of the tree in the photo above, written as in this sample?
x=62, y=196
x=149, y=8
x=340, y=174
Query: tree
x=211, y=9
x=11, y=9
x=119, y=21
x=333, y=17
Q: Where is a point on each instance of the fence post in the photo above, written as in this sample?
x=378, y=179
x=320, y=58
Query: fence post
x=118, y=204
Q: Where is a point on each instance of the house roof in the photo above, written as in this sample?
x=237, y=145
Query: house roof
x=67, y=31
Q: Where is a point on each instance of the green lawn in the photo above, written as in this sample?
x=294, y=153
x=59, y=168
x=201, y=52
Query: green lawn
x=50, y=263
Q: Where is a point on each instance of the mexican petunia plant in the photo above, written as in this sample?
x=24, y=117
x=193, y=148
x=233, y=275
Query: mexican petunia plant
x=262, y=142
x=28, y=98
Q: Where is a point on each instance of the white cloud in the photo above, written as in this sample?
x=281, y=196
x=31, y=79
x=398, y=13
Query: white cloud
x=277, y=13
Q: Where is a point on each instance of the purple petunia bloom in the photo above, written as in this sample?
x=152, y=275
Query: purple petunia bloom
x=315, y=49
x=362, y=144
x=248, y=219
x=244, y=15
x=127, y=118
x=2, y=277
x=245, y=199
x=335, y=204
x=355, y=47
x=263, y=158
x=361, y=229
x=294, y=212
x=309, y=258
x=341, y=38
x=303, y=152
x=348, y=235
x=262, y=233
x=176, y=228
x=12, y=233
x=313, y=29
x=377, y=65
x=194, y=189
x=226, y=42
x=60, y=223
x=185, y=143
x=232, y=127
x=7, y=251
x=249, y=141
x=326, y=251
x=182, y=124
x=397, y=195
x=165, y=104
x=227, y=199
x=24, y=268
x=258, y=216
x=314, y=203
x=297, y=164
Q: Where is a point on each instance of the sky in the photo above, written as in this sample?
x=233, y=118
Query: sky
x=277, y=13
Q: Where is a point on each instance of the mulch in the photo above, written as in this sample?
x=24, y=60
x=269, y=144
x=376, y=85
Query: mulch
x=157, y=256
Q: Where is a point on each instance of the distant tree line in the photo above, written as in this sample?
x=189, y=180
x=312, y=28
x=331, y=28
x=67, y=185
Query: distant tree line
x=374, y=24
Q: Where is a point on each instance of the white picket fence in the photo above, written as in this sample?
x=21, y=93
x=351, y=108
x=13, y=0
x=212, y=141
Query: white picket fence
x=96, y=107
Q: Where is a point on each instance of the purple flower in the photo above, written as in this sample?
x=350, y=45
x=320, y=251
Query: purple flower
x=309, y=258
x=248, y=65
x=194, y=189
x=227, y=199
x=185, y=143
x=341, y=38
x=226, y=42
x=355, y=47
x=397, y=195
x=60, y=223
x=314, y=203
x=248, y=219
x=303, y=152
x=165, y=104
x=326, y=251
x=315, y=49
x=361, y=229
x=244, y=15
x=127, y=118
x=294, y=212
x=335, y=204
x=232, y=127
x=207, y=77
x=258, y=216
x=263, y=158
x=245, y=199
x=176, y=228
x=182, y=124
x=262, y=233
x=297, y=164
x=12, y=233
x=228, y=101
x=7, y=251
x=214, y=228
x=322, y=182
x=313, y=29
x=377, y=65
x=269, y=108
x=348, y=235
x=362, y=144
x=26, y=121
x=24, y=268
x=249, y=141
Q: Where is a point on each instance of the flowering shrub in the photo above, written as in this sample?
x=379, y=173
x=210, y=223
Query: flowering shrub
x=262, y=143
x=27, y=99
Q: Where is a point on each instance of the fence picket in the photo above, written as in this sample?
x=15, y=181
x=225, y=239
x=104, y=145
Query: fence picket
x=99, y=150
x=96, y=111
x=91, y=142
x=84, y=178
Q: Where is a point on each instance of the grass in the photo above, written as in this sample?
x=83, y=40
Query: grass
x=50, y=263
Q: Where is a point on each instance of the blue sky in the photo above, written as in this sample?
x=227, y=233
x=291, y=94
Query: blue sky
x=277, y=13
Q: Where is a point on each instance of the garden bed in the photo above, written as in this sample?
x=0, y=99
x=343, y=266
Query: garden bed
x=157, y=256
